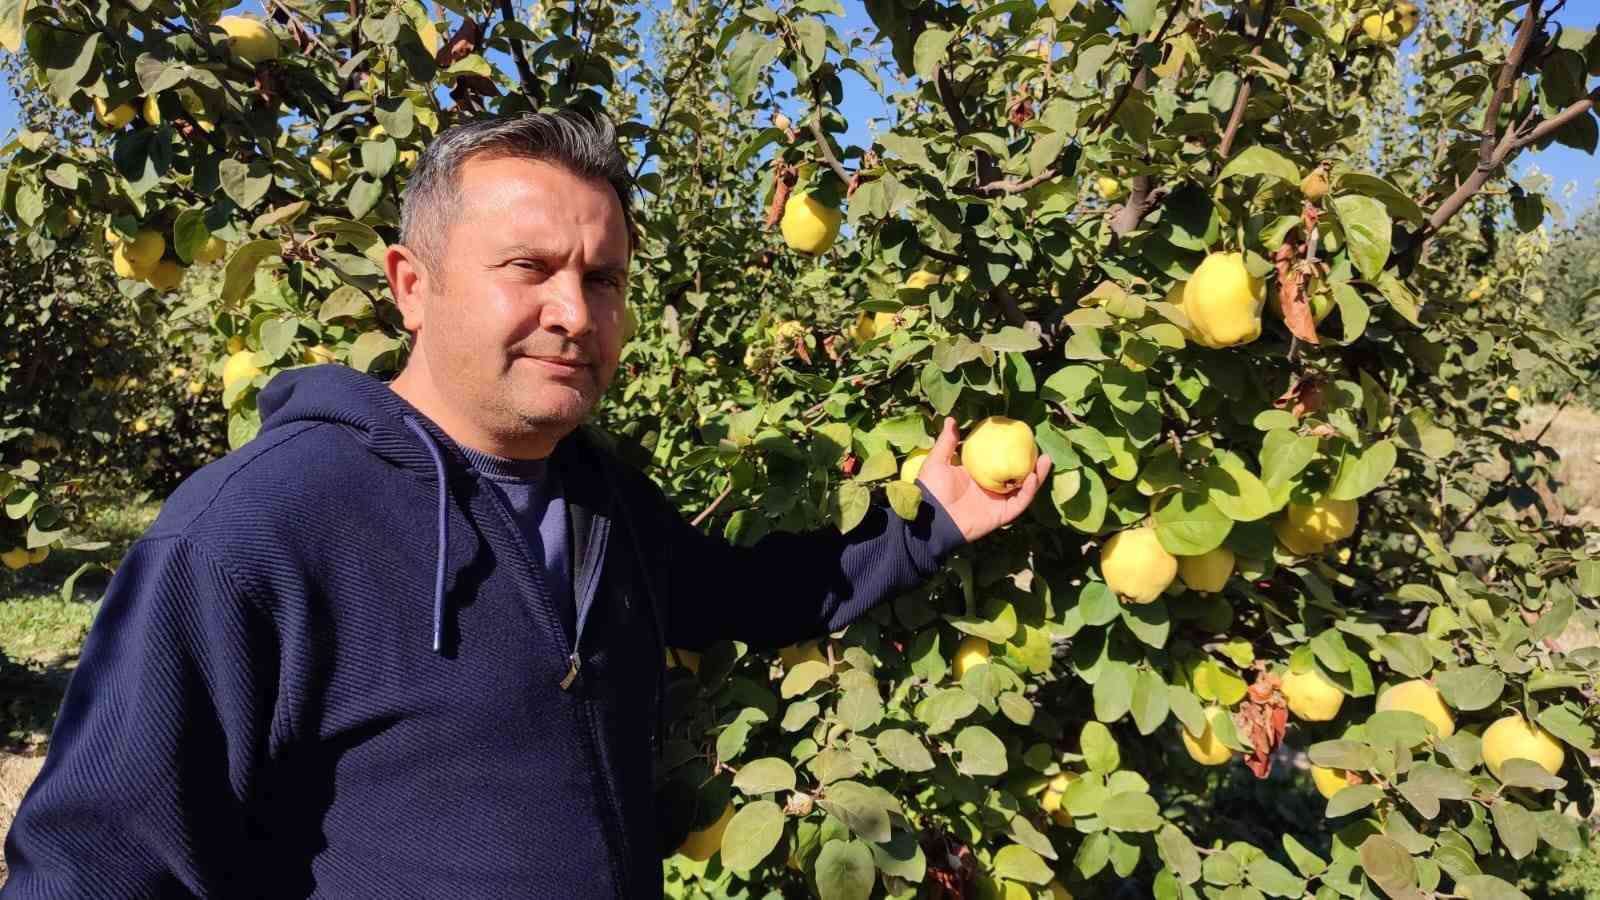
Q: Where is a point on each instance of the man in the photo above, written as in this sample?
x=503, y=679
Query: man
x=408, y=642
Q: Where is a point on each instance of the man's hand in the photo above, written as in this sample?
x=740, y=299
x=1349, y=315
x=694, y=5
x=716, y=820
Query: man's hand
x=975, y=511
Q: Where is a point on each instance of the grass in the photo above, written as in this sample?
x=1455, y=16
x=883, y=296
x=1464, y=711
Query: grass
x=41, y=632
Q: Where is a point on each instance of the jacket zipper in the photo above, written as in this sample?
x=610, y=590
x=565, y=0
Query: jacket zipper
x=599, y=528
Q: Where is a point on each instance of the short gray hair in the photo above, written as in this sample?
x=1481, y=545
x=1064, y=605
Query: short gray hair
x=584, y=146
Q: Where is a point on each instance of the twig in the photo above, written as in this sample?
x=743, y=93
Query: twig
x=1236, y=118
x=705, y=513
x=303, y=28
x=988, y=172
x=1011, y=185
x=530, y=88
x=822, y=145
x=1141, y=77
x=571, y=74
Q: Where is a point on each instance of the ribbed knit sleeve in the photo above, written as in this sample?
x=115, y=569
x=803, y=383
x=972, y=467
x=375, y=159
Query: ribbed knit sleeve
x=788, y=586
x=151, y=759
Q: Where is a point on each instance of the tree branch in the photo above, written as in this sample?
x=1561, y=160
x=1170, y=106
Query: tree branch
x=1236, y=118
x=822, y=145
x=1504, y=83
x=530, y=88
x=1513, y=141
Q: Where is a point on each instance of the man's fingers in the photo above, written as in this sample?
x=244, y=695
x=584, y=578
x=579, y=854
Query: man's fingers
x=1030, y=487
x=944, y=448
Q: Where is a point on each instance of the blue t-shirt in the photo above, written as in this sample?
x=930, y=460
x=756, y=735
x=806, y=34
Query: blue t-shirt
x=536, y=503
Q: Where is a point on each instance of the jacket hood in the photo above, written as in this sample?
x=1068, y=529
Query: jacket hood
x=365, y=405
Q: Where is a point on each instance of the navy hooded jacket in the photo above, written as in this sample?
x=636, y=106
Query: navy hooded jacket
x=331, y=669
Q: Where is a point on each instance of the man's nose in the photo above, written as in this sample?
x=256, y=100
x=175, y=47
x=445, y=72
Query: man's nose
x=566, y=309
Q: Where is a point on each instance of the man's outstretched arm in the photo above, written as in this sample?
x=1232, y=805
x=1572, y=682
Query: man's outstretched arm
x=789, y=587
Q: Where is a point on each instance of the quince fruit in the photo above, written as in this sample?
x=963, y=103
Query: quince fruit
x=1514, y=737
x=1223, y=301
x=1208, y=572
x=1135, y=565
x=808, y=225
x=1418, y=696
x=999, y=454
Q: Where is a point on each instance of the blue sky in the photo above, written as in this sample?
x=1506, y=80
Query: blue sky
x=1575, y=175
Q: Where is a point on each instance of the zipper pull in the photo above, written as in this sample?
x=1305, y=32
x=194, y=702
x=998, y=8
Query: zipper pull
x=574, y=662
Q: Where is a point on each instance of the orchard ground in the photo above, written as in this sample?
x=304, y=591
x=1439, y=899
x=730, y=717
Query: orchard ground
x=42, y=633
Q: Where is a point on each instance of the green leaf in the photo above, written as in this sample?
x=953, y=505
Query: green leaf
x=901, y=857
x=1113, y=691
x=941, y=710
x=852, y=502
x=764, y=776
x=370, y=348
x=1130, y=811
x=860, y=708
x=1237, y=492
x=1400, y=298
x=845, y=871
x=981, y=752
x=859, y=807
x=396, y=115
x=1568, y=724
x=1097, y=604
x=751, y=834
x=1285, y=454
x=903, y=751
x=1387, y=863
x=1271, y=878
x=1259, y=160
x=1150, y=701
x=238, y=277
x=1518, y=828
x=1149, y=622
x=1189, y=524
x=1368, y=232
x=802, y=678
x=1099, y=748
x=1352, y=798
x=905, y=498
x=799, y=714
x=1309, y=864
x=1525, y=773
x=1343, y=754
x=1179, y=853
x=1085, y=509
x=929, y=51
x=1360, y=473
x=244, y=183
x=1018, y=863
x=12, y=13
x=1471, y=688
x=748, y=59
x=1487, y=887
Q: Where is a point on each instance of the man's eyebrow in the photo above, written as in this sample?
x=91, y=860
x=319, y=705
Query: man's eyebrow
x=617, y=269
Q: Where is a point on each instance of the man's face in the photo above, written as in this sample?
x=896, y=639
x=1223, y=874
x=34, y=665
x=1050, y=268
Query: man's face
x=522, y=317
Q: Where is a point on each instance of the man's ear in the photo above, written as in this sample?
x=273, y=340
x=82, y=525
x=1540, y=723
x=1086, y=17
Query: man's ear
x=408, y=281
